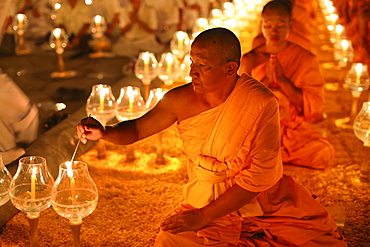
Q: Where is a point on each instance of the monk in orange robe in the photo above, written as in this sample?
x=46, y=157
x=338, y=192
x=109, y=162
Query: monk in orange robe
x=302, y=18
x=292, y=73
x=229, y=125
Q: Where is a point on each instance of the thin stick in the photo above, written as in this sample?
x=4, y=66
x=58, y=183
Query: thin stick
x=79, y=140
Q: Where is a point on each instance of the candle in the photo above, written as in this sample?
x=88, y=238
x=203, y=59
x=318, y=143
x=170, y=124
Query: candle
x=73, y=190
x=339, y=29
x=98, y=20
x=358, y=68
x=33, y=184
x=180, y=39
x=72, y=182
x=146, y=63
x=57, y=32
x=102, y=92
x=169, y=60
x=20, y=18
x=345, y=45
x=131, y=96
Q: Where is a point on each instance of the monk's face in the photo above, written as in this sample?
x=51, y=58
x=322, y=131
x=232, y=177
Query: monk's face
x=207, y=69
x=275, y=26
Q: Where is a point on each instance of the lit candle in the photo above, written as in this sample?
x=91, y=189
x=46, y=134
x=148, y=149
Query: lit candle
x=345, y=45
x=169, y=60
x=180, y=39
x=358, y=68
x=102, y=92
x=98, y=20
x=57, y=32
x=146, y=62
x=73, y=190
x=72, y=182
x=33, y=184
x=339, y=29
x=20, y=18
x=131, y=96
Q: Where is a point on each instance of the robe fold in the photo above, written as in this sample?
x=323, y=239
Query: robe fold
x=301, y=145
x=238, y=142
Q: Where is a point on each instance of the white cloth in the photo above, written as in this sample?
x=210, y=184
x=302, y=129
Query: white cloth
x=137, y=40
x=191, y=15
x=19, y=120
x=106, y=8
x=168, y=11
x=73, y=19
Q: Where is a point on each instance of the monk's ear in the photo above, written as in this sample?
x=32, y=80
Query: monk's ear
x=231, y=67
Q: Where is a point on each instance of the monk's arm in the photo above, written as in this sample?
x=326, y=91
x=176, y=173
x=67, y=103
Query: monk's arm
x=292, y=92
x=232, y=200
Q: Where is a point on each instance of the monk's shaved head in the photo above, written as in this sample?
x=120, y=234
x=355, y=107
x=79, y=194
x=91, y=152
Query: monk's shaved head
x=280, y=5
x=223, y=41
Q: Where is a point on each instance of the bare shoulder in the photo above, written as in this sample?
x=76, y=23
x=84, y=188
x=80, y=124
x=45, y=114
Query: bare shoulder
x=180, y=101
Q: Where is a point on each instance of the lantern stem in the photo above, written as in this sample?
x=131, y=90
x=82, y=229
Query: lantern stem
x=33, y=221
x=365, y=169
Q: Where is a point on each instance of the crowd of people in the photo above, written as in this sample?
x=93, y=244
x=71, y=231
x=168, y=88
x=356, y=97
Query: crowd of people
x=242, y=117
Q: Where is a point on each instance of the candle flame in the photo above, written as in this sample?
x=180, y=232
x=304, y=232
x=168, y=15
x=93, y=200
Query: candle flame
x=98, y=19
x=358, y=68
x=57, y=32
x=344, y=44
x=339, y=29
x=20, y=17
x=69, y=169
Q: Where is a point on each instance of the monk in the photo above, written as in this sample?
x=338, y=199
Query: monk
x=301, y=19
x=229, y=125
x=292, y=73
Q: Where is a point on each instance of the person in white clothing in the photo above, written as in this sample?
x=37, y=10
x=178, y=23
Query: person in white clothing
x=74, y=17
x=170, y=18
x=138, y=23
x=19, y=120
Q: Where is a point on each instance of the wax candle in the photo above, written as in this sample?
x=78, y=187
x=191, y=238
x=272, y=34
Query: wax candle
x=98, y=20
x=131, y=97
x=20, y=18
x=73, y=190
x=102, y=96
x=358, y=68
x=57, y=32
x=339, y=29
x=33, y=186
x=180, y=39
x=345, y=45
x=169, y=60
x=146, y=62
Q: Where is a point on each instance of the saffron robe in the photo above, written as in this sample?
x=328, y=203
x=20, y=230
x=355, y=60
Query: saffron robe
x=238, y=142
x=300, y=144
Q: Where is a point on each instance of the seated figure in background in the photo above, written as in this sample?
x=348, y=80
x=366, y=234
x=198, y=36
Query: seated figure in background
x=237, y=194
x=74, y=17
x=19, y=120
x=292, y=73
x=138, y=23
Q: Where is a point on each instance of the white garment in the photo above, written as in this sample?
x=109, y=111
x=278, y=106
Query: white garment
x=136, y=40
x=19, y=120
x=191, y=15
x=73, y=19
x=168, y=11
x=106, y=8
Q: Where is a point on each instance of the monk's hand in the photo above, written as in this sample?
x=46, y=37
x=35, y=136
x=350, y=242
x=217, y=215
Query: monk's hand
x=89, y=129
x=189, y=220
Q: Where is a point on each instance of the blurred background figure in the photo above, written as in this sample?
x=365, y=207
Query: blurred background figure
x=19, y=120
x=170, y=18
x=74, y=17
x=138, y=24
x=194, y=9
x=38, y=13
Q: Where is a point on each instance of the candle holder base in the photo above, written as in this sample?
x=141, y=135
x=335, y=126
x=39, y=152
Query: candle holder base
x=101, y=54
x=63, y=74
x=344, y=123
x=23, y=52
x=76, y=229
x=33, y=221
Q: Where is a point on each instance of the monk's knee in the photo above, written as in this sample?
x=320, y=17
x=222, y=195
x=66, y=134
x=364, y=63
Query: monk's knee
x=165, y=239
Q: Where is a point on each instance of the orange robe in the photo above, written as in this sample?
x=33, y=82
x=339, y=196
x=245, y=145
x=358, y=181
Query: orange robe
x=238, y=142
x=300, y=144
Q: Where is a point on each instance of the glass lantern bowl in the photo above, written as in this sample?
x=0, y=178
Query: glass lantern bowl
x=101, y=103
x=74, y=195
x=168, y=68
x=30, y=189
x=5, y=180
x=130, y=104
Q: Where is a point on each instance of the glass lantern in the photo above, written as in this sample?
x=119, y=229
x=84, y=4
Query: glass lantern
x=180, y=45
x=146, y=69
x=101, y=103
x=5, y=180
x=168, y=68
x=130, y=104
